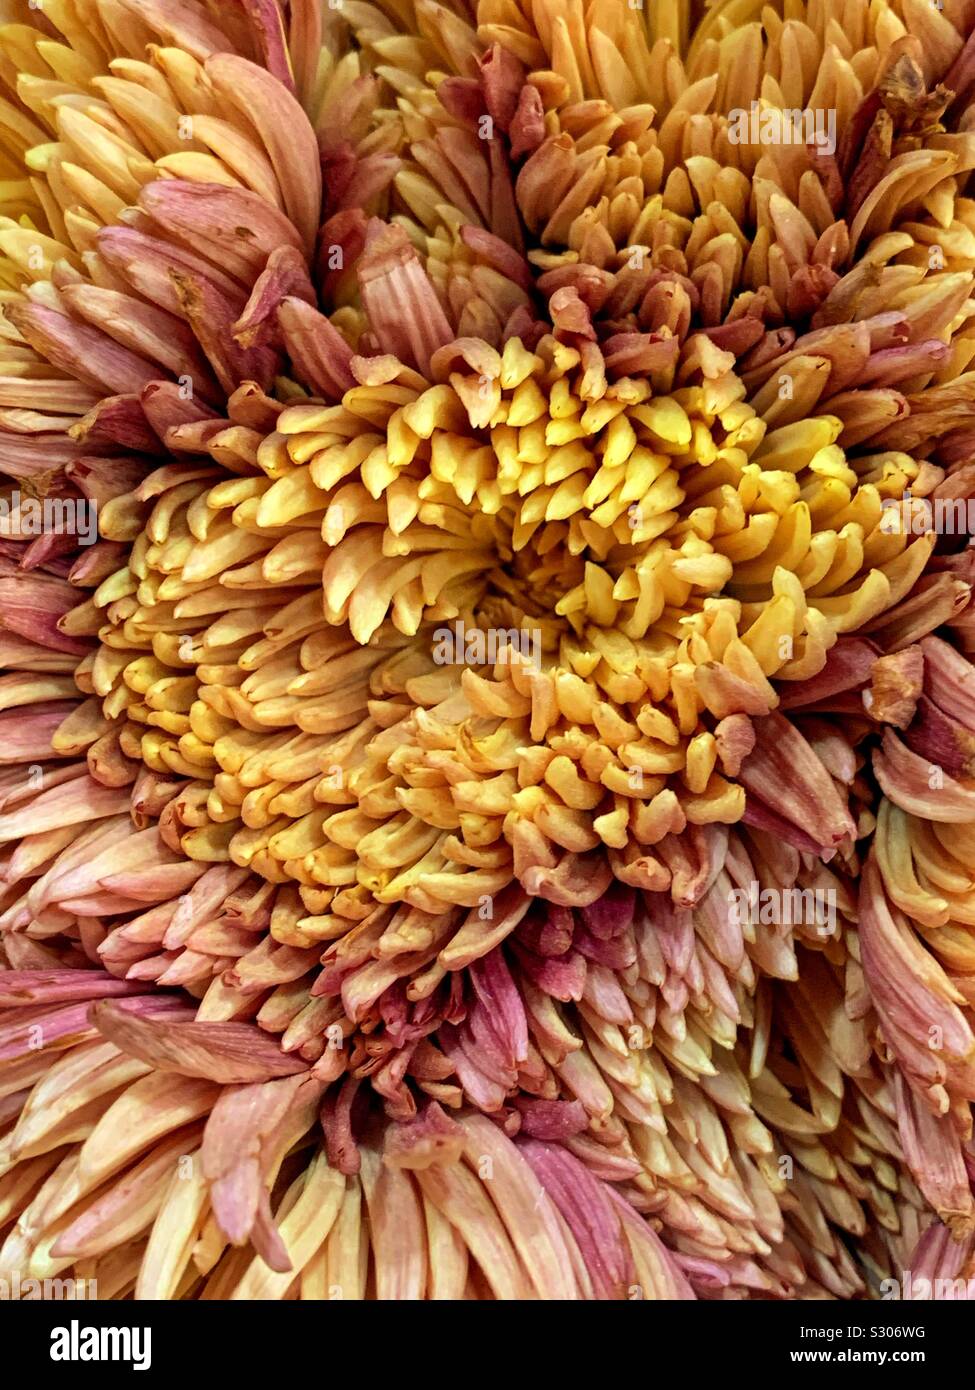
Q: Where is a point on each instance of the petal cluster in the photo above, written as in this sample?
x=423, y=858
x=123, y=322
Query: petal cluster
x=488, y=812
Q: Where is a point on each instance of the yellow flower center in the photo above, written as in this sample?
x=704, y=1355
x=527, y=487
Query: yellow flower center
x=442, y=636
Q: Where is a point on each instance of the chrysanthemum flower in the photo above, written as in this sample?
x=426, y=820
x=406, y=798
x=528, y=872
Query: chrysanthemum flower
x=507, y=464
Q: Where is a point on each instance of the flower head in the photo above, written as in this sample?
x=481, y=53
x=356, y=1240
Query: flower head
x=489, y=816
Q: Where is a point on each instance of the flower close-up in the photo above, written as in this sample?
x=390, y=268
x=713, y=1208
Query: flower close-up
x=487, y=721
